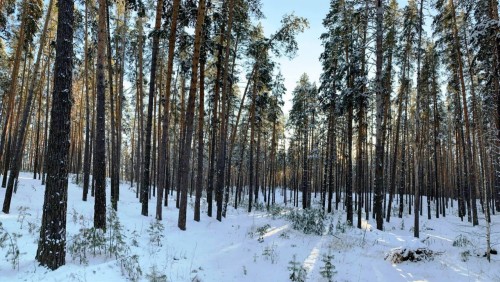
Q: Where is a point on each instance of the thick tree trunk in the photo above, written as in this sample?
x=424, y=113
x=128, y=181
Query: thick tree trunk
x=99, y=172
x=51, y=250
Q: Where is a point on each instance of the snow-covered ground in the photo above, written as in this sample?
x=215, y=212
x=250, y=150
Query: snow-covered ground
x=246, y=247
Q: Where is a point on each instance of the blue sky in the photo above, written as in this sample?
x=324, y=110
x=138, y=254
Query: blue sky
x=307, y=59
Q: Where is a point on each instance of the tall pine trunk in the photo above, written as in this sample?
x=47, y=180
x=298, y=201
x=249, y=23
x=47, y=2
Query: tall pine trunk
x=20, y=137
x=51, y=250
x=165, y=102
x=149, y=123
x=417, y=142
x=379, y=146
x=99, y=172
x=189, y=119
x=88, y=143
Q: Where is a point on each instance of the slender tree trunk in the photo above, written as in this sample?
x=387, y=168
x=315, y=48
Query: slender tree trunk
x=379, y=146
x=417, y=142
x=493, y=13
x=139, y=104
x=36, y=164
x=86, y=155
x=149, y=124
x=163, y=150
x=189, y=118
x=402, y=92
x=46, y=125
x=226, y=89
x=13, y=83
x=20, y=137
x=112, y=153
x=201, y=121
x=470, y=171
x=348, y=147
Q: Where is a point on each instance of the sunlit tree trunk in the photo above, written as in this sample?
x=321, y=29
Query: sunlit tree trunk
x=189, y=118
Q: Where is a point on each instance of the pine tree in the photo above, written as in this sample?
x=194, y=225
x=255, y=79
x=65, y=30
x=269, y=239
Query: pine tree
x=21, y=133
x=379, y=146
x=149, y=123
x=187, y=132
x=51, y=250
x=99, y=167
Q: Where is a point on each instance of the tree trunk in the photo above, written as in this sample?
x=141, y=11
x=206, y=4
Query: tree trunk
x=417, y=142
x=149, y=122
x=20, y=137
x=13, y=83
x=379, y=146
x=470, y=170
x=163, y=150
x=189, y=118
x=111, y=152
x=86, y=155
x=226, y=88
x=99, y=172
x=51, y=250
x=201, y=121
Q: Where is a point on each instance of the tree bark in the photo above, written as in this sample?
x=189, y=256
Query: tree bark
x=189, y=118
x=51, y=250
x=417, y=142
x=20, y=137
x=88, y=143
x=379, y=146
x=99, y=172
x=149, y=122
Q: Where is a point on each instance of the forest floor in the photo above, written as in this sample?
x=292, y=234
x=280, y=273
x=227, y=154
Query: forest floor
x=257, y=246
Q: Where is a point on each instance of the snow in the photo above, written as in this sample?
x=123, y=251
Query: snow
x=233, y=250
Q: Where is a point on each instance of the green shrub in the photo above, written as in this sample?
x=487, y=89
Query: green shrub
x=461, y=241
x=270, y=253
x=155, y=231
x=111, y=243
x=156, y=276
x=328, y=269
x=309, y=221
x=87, y=239
x=262, y=231
x=297, y=271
